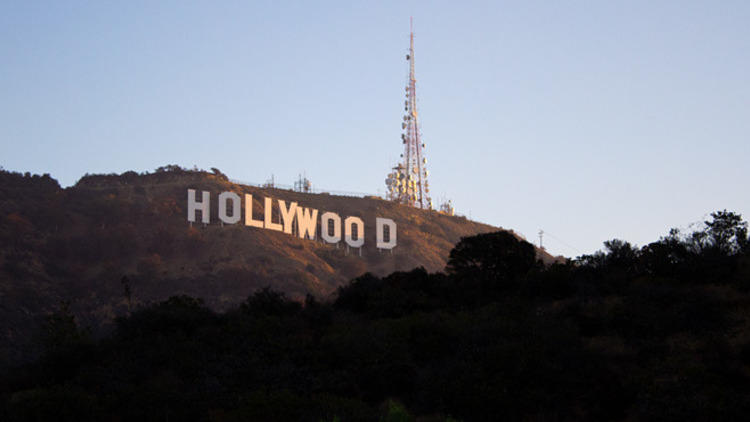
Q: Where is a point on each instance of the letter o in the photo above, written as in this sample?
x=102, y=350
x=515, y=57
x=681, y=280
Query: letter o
x=348, y=226
x=325, y=233
x=223, y=207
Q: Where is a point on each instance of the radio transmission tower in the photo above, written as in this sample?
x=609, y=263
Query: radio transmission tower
x=407, y=183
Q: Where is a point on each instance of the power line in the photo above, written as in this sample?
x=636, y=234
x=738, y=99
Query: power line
x=558, y=239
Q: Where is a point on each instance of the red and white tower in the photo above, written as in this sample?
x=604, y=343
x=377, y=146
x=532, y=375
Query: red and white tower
x=407, y=183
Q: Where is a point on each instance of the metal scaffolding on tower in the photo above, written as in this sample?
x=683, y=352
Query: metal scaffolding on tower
x=407, y=183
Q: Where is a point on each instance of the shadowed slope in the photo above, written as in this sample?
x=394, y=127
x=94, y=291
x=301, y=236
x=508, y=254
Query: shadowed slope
x=90, y=243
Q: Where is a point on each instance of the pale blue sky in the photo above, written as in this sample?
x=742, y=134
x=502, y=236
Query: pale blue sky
x=589, y=119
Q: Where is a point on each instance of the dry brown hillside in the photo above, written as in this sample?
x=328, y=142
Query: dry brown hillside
x=84, y=244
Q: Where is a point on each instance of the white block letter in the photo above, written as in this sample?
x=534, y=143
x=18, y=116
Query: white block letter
x=380, y=224
x=348, y=223
x=287, y=215
x=249, y=220
x=306, y=220
x=325, y=233
x=267, y=223
x=223, y=207
x=204, y=206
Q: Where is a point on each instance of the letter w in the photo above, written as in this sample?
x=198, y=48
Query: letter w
x=307, y=220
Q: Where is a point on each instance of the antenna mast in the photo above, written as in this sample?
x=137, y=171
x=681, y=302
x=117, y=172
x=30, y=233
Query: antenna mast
x=408, y=183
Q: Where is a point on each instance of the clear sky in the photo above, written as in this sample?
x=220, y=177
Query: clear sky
x=591, y=120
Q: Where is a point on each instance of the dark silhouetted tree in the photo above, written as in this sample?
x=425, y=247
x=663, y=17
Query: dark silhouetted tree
x=498, y=256
x=726, y=231
x=271, y=303
x=61, y=332
x=621, y=255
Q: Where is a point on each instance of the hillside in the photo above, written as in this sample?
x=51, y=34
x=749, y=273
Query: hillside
x=658, y=333
x=114, y=242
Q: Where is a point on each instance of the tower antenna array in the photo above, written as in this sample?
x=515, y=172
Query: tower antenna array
x=407, y=183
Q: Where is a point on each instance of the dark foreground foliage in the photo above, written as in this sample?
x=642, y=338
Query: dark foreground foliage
x=656, y=333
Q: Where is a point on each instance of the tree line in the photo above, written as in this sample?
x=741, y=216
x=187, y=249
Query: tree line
x=658, y=332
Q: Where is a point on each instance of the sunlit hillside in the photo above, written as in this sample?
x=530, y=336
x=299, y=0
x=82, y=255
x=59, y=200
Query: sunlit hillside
x=114, y=242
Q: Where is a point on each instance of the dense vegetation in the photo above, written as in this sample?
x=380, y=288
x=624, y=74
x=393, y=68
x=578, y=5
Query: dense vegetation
x=77, y=244
x=659, y=332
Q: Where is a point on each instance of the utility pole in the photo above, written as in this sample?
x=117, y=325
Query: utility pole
x=541, y=235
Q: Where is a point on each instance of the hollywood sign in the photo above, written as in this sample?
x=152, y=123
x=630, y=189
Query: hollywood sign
x=294, y=219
